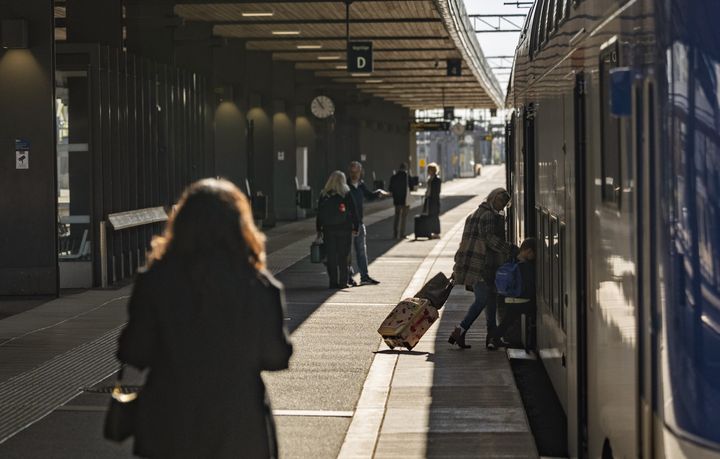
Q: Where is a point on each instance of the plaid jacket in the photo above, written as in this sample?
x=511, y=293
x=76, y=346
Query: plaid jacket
x=483, y=247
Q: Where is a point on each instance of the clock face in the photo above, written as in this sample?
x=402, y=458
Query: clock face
x=322, y=107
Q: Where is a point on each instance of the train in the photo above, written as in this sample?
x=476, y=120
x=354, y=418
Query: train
x=614, y=166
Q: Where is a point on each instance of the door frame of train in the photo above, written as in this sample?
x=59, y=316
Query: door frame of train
x=645, y=142
x=581, y=254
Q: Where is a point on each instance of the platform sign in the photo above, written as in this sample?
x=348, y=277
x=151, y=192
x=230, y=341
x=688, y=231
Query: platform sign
x=430, y=126
x=360, y=56
x=454, y=67
x=22, y=154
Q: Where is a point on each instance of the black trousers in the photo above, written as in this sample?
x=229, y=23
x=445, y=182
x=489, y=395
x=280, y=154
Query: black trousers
x=337, y=246
x=513, y=311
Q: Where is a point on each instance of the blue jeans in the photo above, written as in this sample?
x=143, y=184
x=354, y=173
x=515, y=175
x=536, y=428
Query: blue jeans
x=360, y=244
x=485, y=296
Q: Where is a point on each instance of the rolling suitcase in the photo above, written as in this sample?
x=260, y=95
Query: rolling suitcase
x=408, y=322
x=423, y=226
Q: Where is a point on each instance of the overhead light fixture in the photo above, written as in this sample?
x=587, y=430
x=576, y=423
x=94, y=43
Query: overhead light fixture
x=341, y=67
x=309, y=46
x=258, y=14
x=286, y=32
x=328, y=58
x=360, y=74
x=373, y=81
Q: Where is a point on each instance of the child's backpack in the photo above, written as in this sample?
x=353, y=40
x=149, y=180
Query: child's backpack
x=508, y=280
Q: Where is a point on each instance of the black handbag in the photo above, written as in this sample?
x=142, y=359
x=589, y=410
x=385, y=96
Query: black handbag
x=317, y=252
x=122, y=412
x=437, y=290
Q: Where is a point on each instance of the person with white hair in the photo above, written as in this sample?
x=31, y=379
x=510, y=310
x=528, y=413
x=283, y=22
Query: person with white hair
x=337, y=221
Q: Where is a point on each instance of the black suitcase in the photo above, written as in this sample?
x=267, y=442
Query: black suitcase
x=425, y=226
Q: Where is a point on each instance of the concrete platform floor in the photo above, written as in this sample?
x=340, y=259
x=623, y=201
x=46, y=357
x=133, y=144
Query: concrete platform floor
x=438, y=401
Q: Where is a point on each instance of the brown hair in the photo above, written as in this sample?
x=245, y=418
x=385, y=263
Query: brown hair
x=212, y=218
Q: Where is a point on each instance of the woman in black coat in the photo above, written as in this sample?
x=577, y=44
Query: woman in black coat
x=431, y=207
x=206, y=318
x=337, y=221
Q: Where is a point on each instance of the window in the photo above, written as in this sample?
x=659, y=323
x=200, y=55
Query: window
x=609, y=131
x=547, y=259
x=561, y=11
x=552, y=16
x=555, y=266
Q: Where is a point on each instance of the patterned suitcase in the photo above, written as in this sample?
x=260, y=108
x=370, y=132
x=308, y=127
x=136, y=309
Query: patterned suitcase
x=408, y=322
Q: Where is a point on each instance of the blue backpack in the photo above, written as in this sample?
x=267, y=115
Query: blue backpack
x=508, y=280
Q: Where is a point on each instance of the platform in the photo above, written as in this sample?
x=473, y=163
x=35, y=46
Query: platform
x=343, y=395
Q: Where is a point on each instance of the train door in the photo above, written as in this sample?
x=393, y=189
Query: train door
x=581, y=253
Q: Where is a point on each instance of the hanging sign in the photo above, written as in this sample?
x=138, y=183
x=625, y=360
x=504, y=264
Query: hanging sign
x=360, y=56
x=454, y=67
x=22, y=154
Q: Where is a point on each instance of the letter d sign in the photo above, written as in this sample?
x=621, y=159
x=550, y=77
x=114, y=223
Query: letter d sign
x=360, y=57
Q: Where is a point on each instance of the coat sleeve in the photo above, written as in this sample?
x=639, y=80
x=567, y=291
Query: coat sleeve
x=492, y=240
x=369, y=195
x=136, y=345
x=275, y=348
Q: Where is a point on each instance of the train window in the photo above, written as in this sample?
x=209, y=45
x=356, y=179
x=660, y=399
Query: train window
x=555, y=266
x=540, y=263
x=610, y=130
x=537, y=20
x=546, y=242
x=561, y=11
x=561, y=277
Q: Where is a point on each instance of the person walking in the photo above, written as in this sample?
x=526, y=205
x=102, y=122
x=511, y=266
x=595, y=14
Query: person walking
x=205, y=318
x=400, y=190
x=483, y=248
x=431, y=206
x=360, y=193
x=337, y=220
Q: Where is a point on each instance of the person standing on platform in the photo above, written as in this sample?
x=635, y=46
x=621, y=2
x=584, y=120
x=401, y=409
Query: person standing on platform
x=337, y=221
x=360, y=193
x=400, y=190
x=205, y=318
x=482, y=250
x=431, y=206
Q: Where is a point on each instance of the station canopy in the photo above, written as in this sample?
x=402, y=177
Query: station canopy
x=412, y=42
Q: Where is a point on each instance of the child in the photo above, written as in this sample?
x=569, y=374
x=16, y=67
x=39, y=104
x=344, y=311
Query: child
x=514, y=309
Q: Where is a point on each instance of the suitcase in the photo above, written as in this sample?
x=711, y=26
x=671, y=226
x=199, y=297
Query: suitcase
x=423, y=226
x=408, y=322
x=437, y=290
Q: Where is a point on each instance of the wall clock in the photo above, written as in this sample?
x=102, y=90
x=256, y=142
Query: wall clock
x=322, y=107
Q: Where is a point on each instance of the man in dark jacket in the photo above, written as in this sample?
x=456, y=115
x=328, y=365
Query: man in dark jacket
x=360, y=193
x=482, y=249
x=400, y=190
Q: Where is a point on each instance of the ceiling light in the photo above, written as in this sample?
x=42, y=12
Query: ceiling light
x=309, y=46
x=360, y=74
x=328, y=58
x=373, y=81
x=286, y=32
x=341, y=67
x=258, y=15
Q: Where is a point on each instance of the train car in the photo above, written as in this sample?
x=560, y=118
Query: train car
x=614, y=165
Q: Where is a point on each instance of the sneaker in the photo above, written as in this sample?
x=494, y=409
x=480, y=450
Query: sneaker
x=352, y=283
x=491, y=344
x=369, y=281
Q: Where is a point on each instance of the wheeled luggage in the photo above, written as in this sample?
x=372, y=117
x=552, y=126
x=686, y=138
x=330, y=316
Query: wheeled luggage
x=423, y=226
x=408, y=322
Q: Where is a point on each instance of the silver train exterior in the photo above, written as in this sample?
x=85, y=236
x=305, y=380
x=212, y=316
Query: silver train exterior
x=614, y=164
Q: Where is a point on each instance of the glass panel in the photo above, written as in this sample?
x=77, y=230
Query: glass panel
x=610, y=127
